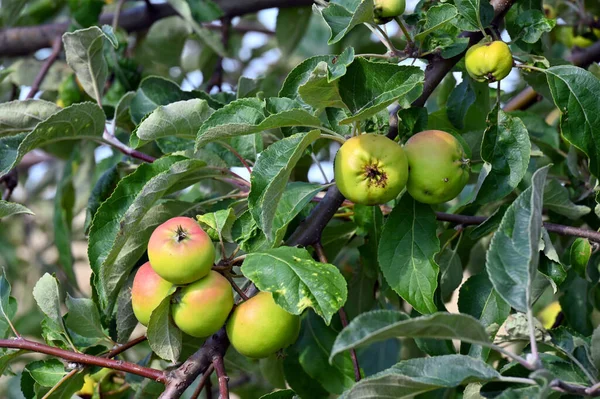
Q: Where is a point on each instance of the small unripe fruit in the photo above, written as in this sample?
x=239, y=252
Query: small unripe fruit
x=259, y=327
x=579, y=255
x=438, y=168
x=147, y=292
x=180, y=251
x=385, y=10
x=491, y=61
x=370, y=169
x=201, y=308
x=549, y=11
x=547, y=316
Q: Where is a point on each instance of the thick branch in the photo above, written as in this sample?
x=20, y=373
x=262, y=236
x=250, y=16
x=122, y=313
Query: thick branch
x=28, y=39
x=181, y=378
x=128, y=367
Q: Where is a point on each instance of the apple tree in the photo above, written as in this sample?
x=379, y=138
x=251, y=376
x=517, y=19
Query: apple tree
x=299, y=199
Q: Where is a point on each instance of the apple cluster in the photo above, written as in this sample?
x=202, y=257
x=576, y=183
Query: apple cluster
x=371, y=169
x=181, y=256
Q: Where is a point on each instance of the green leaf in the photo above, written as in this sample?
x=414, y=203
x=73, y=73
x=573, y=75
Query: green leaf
x=207, y=37
x=83, y=318
x=505, y=149
x=121, y=216
x=163, y=335
x=47, y=373
x=79, y=121
x=406, y=253
x=336, y=65
x=12, y=208
x=248, y=116
x=293, y=200
x=84, y=51
x=85, y=12
x=556, y=199
x=22, y=116
x=490, y=224
x=342, y=19
x=178, y=119
x=533, y=24
x=512, y=258
x=218, y=224
x=70, y=387
x=271, y=174
x=313, y=346
x=436, y=18
x=8, y=307
x=297, y=281
x=595, y=347
x=47, y=296
x=381, y=84
x=412, y=377
x=474, y=14
x=126, y=320
x=318, y=91
x=379, y=325
x=155, y=91
x=292, y=24
x=6, y=357
x=460, y=100
x=451, y=272
x=478, y=298
x=574, y=91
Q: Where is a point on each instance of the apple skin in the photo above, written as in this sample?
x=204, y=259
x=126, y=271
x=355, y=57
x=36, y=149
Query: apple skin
x=259, y=327
x=180, y=251
x=147, y=292
x=201, y=308
x=438, y=168
x=489, y=62
x=385, y=10
x=370, y=169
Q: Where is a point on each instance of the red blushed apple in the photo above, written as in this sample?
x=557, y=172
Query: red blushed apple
x=147, y=292
x=201, y=308
x=180, y=251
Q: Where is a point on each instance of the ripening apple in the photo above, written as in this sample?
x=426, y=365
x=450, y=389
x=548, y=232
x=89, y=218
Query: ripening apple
x=438, y=167
x=385, y=10
x=259, y=327
x=370, y=169
x=147, y=292
x=201, y=308
x=489, y=61
x=180, y=251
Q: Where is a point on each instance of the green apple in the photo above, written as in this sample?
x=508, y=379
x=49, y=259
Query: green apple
x=259, y=327
x=370, y=169
x=201, y=308
x=438, y=167
x=180, y=251
x=489, y=61
x=385, y=10
x=147, y=292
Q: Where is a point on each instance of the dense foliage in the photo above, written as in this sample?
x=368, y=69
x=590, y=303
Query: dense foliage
x=116, y=117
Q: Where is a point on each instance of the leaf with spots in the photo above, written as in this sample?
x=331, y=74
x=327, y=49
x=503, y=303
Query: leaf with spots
x=406, y=253
x=297, y=281
x=22, y=116
x=79, y=121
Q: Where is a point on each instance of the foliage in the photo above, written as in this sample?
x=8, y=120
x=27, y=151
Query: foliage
x=129, y=125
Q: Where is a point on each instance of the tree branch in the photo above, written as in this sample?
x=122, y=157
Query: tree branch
x=204, y=381
x=56, y=47
x=181, y=378
x=28, y=39
x=121, y=365
x=222, y=376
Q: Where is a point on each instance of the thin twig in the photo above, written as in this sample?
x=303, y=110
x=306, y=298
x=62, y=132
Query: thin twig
x=121, y=365
x=222, y=376
x=35, y=86
x=110, y=139
x=316, y=161
x=122, y=348
x=204, y=381
x=216, y=79
x=236, y=287
x=237, y=155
